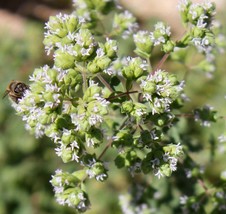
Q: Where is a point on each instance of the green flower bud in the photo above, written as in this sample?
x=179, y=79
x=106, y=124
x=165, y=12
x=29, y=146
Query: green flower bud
x=48, y=96
x=173, y=149
x=32, y=123
x=86, y=37
x=46, y=119
x=55, y=24
x=51, y=129
x=184, y=12
x=98, y=168
x=198, y=32
x=72, y=23
x=65, y=178
x=53, y=74
x=82, y=53
x=144, y=44
x=93, y=67
x=127, y=107
x=138, y=72
x=174, y=93
x=38, y=73
x=37, y=87
x=140, y=109
x=161, y=34
x=64, y=60
x=195, y=14
x=103, y=62
x=150, y=87
x=68, y=137
x=51, y=40
x=67, y=155
x=124, y=23
x=73, y=78
x=111, y=48
x=168, y=47
x=134, y=69
x=173, y=79
x=72, y=196
x=185, y=40
x=165, y=169
x=127, y=73
x=90, y=92
x=80, y=174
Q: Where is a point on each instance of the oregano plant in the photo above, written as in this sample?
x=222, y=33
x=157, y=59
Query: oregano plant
x=94, y=99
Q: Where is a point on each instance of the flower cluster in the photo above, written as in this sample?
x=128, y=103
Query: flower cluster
x=160, y=90
x=91, y=97
x=95, y=167
x=67, y=191
x=145, y=41
x=88, y=11
x=161, y=34
x=124, y=24
x=164, y=161
x=60, y=31
x=199, y=18
x=134, y=68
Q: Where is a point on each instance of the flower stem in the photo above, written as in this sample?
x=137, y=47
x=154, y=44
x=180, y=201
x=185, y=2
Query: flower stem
x=104, y=82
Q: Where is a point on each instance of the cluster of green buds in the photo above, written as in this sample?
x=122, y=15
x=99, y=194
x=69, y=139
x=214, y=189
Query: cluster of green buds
x=160, y=90
x=145, y=41
x=89, y=12
x=67, y=190
x=201, y=31
x=93, y=96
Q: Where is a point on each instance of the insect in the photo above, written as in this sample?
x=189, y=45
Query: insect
x=16, y=90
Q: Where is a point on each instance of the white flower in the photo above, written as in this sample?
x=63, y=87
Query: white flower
x=182, y=5
x=94, y=119
x=158, y=173
x=183, y=199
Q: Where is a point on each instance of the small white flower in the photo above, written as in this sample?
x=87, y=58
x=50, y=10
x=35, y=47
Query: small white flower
x=183, y=199
x=182, y=5
x=158, y=173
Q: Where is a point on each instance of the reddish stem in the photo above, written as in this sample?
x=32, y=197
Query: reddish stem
x=164, y=58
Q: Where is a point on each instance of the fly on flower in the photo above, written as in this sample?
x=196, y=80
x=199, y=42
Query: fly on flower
x=15, y=90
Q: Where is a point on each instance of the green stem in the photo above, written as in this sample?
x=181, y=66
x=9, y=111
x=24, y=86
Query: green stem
x=122, y=95
x=159, y=65
x=84, y=85
x=104, y=82
x=149, y=65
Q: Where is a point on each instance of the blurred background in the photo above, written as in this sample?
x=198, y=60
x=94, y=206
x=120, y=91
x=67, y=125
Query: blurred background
x=26, y=164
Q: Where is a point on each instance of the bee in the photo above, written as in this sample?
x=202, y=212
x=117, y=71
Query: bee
x=15, y=90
